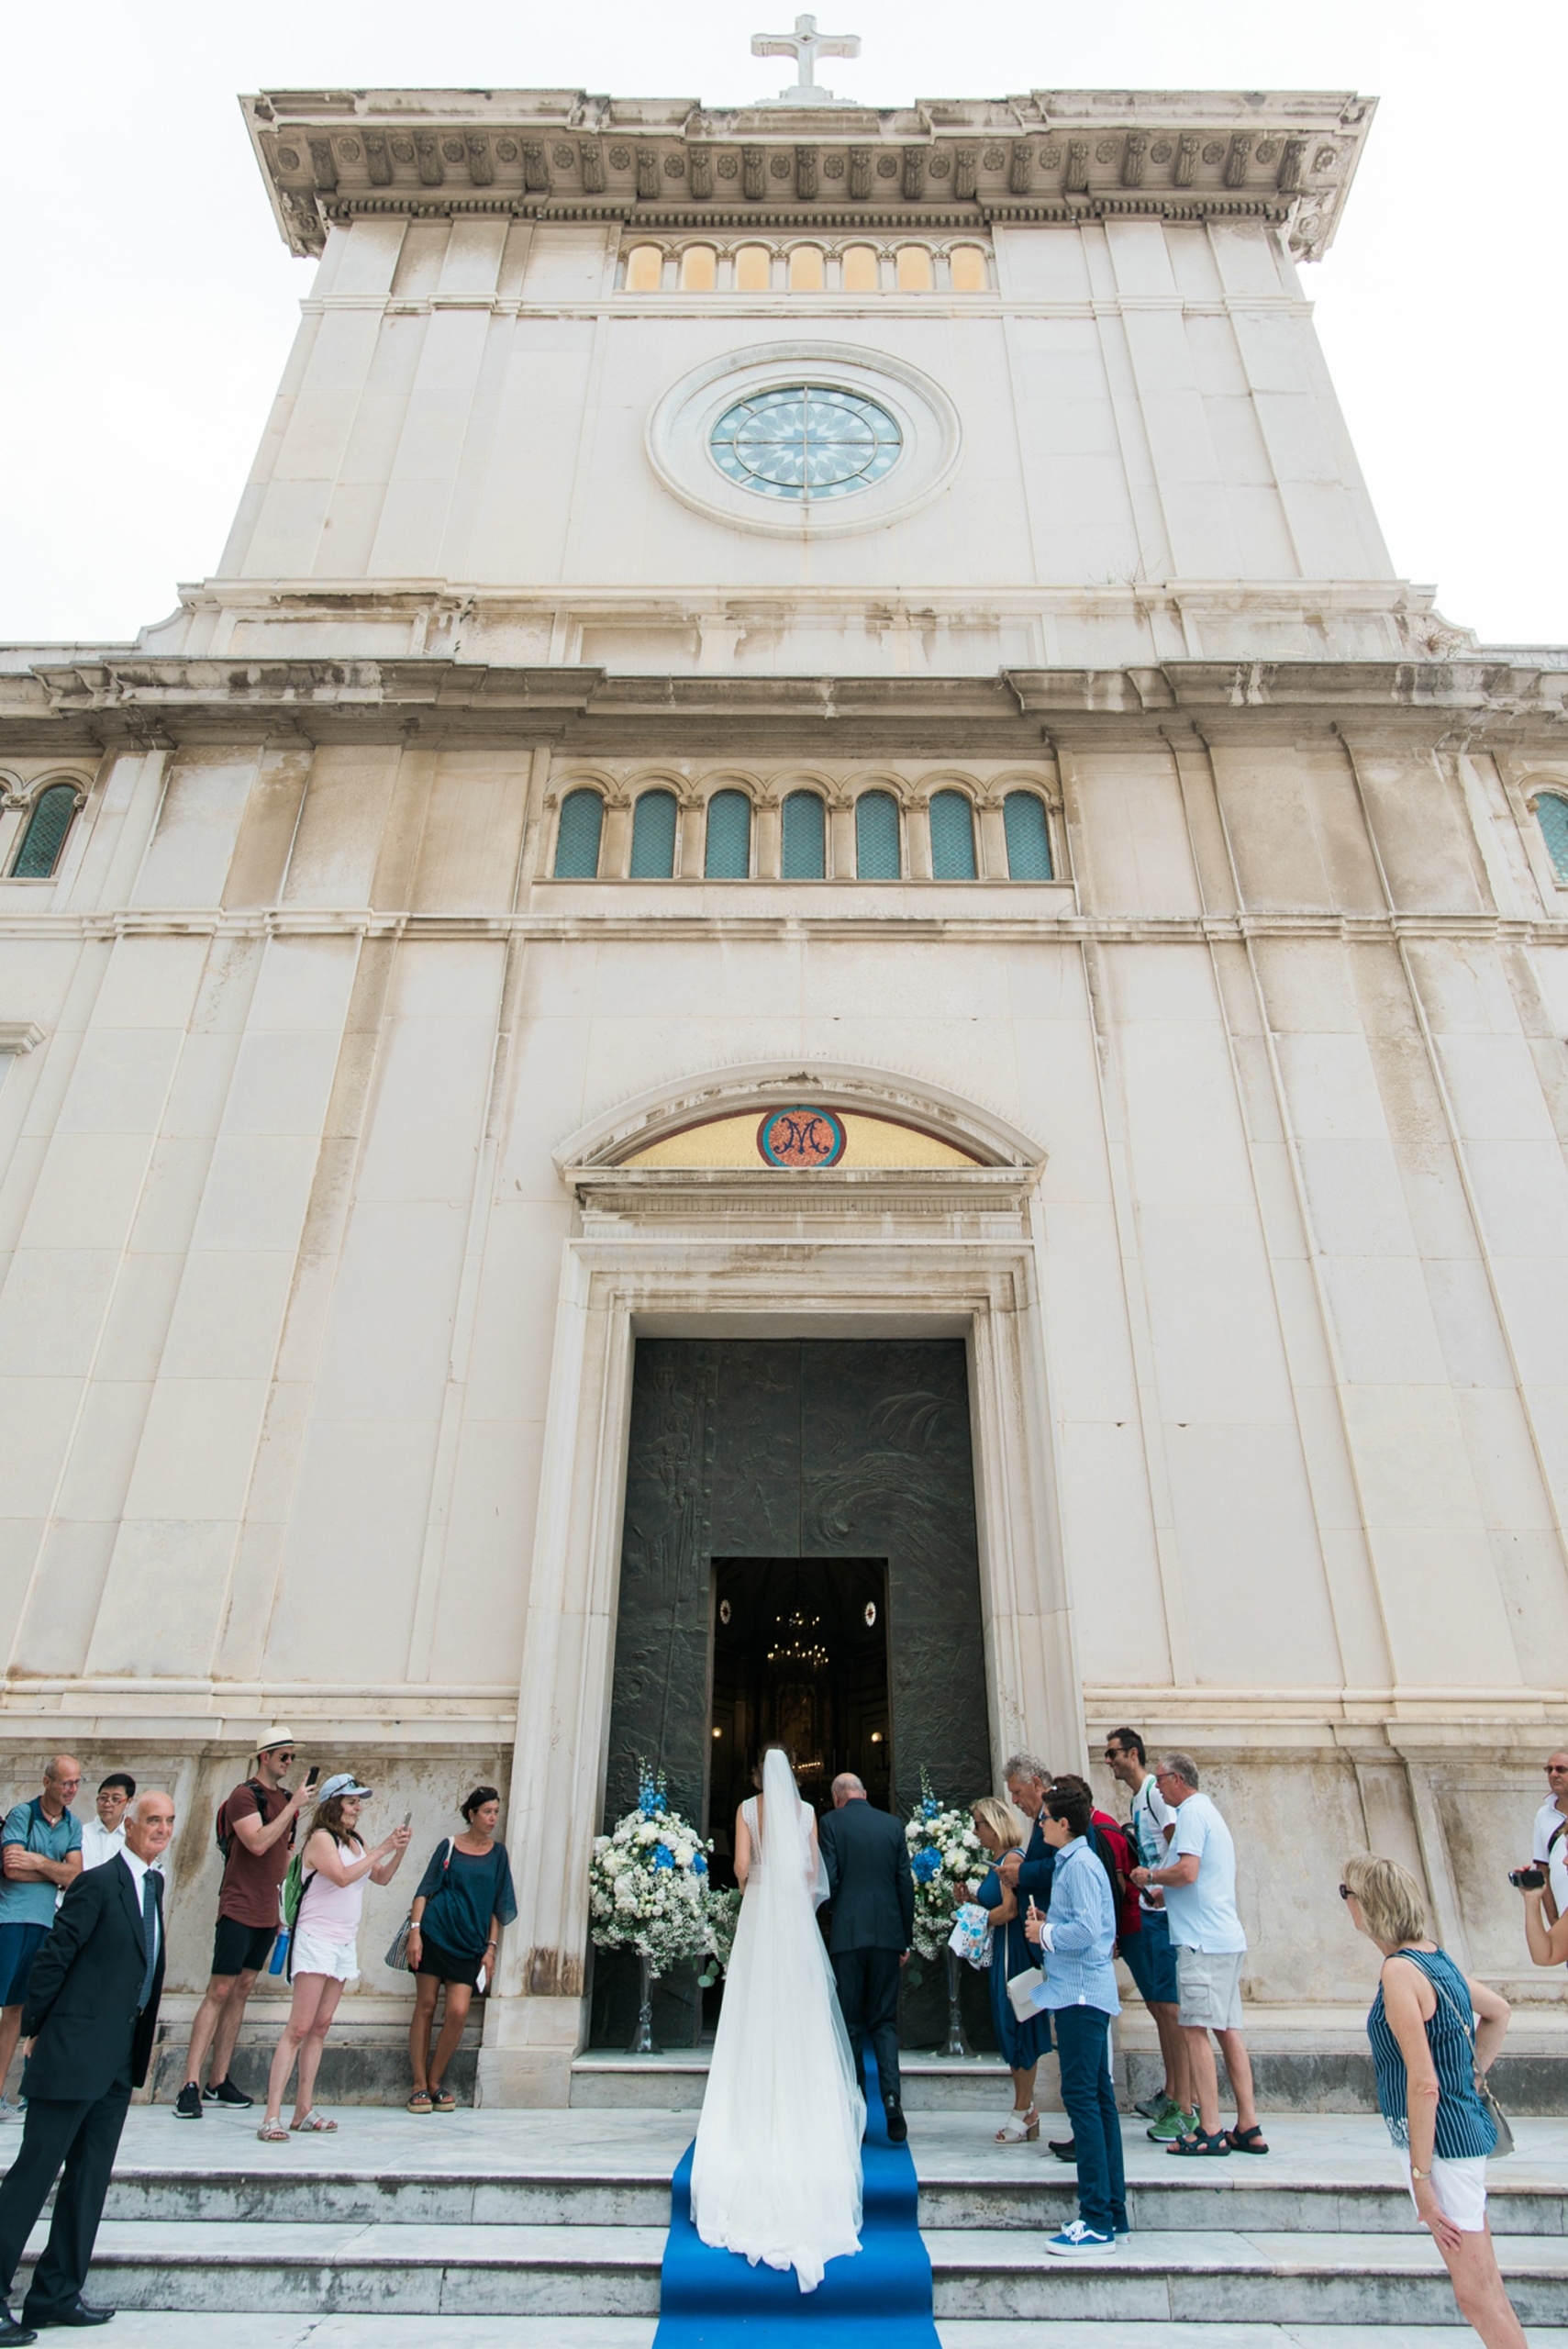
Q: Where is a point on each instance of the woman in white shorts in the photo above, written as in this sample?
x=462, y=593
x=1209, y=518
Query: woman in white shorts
x=1432, y=2028
x=336, y=1869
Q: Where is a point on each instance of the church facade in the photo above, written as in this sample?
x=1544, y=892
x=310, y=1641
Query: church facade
x=804, y=1003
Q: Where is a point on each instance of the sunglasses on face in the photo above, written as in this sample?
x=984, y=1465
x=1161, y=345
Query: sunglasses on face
x=1345, y=1893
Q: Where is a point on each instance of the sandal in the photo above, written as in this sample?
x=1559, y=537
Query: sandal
x=420, y=2102
x=1019, y=2129
x=442, y=2100
x=1205, y=2147
x=272, y=2132
x=1247, y=2140
x=313, y=2125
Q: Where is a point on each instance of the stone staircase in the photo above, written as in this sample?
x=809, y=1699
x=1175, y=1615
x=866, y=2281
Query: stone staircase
x=525, y=2227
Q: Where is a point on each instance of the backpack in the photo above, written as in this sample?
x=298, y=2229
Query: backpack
x=294, y=1883
x=222, y=1829
x=1114, y=1854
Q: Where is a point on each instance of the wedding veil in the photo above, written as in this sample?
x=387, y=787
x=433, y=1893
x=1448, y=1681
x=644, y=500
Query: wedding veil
x=777, y=2169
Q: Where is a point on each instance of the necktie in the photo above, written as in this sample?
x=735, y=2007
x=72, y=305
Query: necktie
x=148, y=1936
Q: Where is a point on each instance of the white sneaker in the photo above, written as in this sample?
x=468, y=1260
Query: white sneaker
x=9, y=2111
x=1079, y=2242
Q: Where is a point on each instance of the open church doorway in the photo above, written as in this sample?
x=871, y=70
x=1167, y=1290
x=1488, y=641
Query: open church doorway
x=799, y=1659
x=818, y=1475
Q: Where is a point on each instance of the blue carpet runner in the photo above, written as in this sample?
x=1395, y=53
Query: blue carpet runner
x=878, y=2298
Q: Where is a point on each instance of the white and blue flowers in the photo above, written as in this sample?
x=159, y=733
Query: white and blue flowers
x=648, y=1883
x=945, y=1854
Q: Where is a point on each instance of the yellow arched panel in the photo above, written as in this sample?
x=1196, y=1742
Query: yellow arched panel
x=754, y=269
x=807, y=272
x=861, y=273
x=699, y=270
x=734, y=1142
x=644, y=269
x=917, y=271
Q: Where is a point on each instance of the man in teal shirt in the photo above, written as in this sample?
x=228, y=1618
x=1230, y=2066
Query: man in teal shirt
x=40, y=1853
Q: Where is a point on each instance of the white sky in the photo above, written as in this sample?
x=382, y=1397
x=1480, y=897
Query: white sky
x=151, y=304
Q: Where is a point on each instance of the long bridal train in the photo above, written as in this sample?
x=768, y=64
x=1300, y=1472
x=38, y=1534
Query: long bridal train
x=777, y=2172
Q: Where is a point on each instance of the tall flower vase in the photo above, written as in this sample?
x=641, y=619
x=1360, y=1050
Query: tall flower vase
x=642, y=2037
x=956, y=2042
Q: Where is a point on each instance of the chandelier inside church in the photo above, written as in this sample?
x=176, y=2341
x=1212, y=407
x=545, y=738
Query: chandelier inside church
x=806, y=443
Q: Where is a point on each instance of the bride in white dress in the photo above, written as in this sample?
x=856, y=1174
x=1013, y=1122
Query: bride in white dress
x=776, y=2173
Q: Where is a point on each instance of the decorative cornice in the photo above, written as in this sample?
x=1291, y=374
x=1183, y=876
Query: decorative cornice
x=19, y=1035
x=331, y=155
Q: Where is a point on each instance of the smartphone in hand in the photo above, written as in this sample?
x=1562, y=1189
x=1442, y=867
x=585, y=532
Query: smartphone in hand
x=407, y=1819
x=313, y=1774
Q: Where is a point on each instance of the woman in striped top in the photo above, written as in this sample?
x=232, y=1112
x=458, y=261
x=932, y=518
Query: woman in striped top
x=1432, y=2030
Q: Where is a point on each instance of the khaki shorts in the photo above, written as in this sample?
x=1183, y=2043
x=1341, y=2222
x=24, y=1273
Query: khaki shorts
x=1208, y=1988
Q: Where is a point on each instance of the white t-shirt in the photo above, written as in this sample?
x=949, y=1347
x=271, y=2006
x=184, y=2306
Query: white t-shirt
x=1151, y=1814
x=98, y=1844
x=1547, y=1820
x=1204, y=1914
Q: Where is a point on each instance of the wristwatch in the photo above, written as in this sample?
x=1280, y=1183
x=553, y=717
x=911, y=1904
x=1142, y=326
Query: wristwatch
x=1423, y=2173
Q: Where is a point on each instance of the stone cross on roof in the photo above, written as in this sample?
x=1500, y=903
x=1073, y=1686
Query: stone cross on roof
x=805, y=45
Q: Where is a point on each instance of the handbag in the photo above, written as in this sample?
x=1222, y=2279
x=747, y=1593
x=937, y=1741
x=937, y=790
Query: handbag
x=1021, y=1988
x=397, y=1948
x=1486, y=2094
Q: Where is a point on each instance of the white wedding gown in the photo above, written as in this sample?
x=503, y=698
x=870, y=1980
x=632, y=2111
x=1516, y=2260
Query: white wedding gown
x=776, y=2173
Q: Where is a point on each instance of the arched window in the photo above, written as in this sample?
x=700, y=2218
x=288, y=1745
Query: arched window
x=699, y=270
x=876, y=837
x=754, y=269
x=952, y=838
x=804, y=837
x=861, y=275
x=807, y=271
x=45, y=835
x=916, y=272
x=1552, y=815
x=968, y=265
x=577, y=836
x=729, y=854
x=653, y=836
x=1028, y=837
x=644, y=270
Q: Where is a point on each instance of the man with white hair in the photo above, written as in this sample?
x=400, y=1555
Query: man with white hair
x=1026, y=1777
x=1199, y=1884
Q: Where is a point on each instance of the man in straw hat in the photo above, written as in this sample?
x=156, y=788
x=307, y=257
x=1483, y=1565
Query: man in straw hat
x=255, y=1834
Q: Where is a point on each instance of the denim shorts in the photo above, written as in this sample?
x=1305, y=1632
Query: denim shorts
x=20, y=1944
x=1150, y=1960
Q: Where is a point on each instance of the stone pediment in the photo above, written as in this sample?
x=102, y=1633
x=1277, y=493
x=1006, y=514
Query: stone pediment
x=1050, y=155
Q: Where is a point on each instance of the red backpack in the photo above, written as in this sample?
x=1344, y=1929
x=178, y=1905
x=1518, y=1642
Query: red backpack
x=1115, y=1854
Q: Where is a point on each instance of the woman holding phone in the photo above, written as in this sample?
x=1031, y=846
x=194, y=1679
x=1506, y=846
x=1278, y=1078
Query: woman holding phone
x=464, y=1898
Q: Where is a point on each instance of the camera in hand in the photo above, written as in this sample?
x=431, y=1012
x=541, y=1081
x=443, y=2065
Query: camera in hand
x=1527, y=1879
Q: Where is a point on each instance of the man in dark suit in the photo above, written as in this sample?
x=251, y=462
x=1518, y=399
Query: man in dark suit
x=88, y=2027
x=1027, y=1779
x=873, y=1893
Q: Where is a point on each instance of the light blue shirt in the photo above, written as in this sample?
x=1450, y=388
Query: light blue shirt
x=1204, y=1914
x=1080, y=1933
x=33, y=1903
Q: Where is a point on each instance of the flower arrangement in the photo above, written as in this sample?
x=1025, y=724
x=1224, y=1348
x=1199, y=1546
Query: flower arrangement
x=723, y=1916
x=945, y=1854
x=647, y=1882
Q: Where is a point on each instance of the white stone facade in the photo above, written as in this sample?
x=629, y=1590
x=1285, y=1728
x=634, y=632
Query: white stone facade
x=320, y=1280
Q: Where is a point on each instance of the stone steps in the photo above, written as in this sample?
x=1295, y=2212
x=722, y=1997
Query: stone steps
x=503, y=2270
x=142, y=2330
x=557, y=2220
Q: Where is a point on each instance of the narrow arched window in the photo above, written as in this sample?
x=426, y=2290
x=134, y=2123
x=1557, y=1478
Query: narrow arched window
x=876, y=837
x=653, y=836
x=861, y=273
x=729, y=856
x=1552, y=815
x=699, y=270
x=968, y=265
x=577, y=838
x=45, y=835
x=916, y=273
x=754, y=269
x=804, y=837
x=644, y=269
x=1028, y=837
x=806, y=272
x=952, y=838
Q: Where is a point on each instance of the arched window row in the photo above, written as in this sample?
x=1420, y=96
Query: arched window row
x=720, y=839
x=1551, y=810
x=851, y=267
x=45, y=824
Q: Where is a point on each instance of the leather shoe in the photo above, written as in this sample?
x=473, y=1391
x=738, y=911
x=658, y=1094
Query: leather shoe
x=11, y=2332
x=897, y=2127
x=1065, y=2148
x=78, y=2315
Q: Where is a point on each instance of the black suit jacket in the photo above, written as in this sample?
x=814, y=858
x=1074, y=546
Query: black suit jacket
x=81, y=1993
x=872, y=1891
x=1035, y=1872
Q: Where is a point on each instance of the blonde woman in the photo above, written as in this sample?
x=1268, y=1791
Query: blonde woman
x=336, y=1867
x=1002, y=1828
x=1427, y=2056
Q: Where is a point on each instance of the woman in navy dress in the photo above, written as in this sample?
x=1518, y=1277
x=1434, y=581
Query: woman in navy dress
x=1003, y=1830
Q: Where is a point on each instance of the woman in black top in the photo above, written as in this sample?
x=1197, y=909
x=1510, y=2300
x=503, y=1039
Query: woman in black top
x=464, y=1898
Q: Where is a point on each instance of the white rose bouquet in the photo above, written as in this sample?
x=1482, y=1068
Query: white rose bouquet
x=648, y=1883
x=945, y=1854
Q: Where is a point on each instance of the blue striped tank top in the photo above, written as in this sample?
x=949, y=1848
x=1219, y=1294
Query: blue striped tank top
x=1465, y=2127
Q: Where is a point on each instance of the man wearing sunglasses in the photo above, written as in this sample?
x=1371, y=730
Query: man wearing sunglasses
x=255, y=1834
x=1549, y=1845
